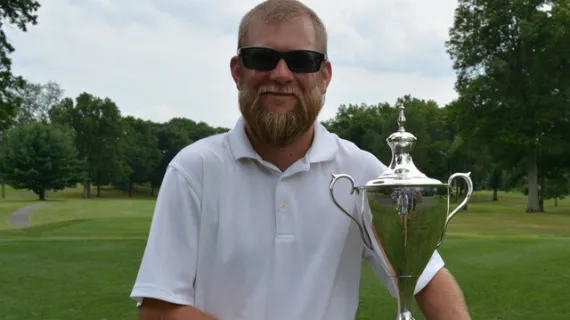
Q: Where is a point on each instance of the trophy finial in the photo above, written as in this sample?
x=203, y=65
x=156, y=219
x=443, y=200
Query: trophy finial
x=401, y=119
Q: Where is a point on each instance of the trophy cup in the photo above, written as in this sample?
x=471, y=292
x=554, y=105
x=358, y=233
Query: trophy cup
x=409, y=215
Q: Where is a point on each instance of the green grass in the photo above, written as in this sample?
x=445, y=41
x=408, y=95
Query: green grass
x=9, y=191
x=80, y=259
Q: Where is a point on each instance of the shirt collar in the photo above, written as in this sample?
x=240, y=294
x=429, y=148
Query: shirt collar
x=324, y=147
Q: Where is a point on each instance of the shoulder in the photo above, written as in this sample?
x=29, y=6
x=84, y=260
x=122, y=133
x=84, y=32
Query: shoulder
x=193, y=159
x=351, y=156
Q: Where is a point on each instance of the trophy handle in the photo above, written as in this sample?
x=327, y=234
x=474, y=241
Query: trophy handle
x=335, y=178
x=466, y=177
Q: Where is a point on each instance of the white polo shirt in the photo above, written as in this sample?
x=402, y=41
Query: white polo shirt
x=237, y=238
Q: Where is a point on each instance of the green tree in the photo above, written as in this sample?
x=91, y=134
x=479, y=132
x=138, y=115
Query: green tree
x=98, y=137
x=364, y=125
x=171, y=138
x=368, y=126
x=513, y=73
x=36, y=100
x=195, y=130
x=20, y=13
x=39, y=157
x=141, y=151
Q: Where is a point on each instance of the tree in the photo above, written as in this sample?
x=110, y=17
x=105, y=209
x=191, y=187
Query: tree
x=195, y=130
x=141, y=151
x=368, y=126
x=171, y=139
x=36, y=100
x=20, y=13
x=513, y=80
x=98, y=137
x=39, y=157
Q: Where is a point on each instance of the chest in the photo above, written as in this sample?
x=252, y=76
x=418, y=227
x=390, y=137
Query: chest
x=249, y=212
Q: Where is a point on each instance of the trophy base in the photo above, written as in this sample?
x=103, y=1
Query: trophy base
x=406, y=315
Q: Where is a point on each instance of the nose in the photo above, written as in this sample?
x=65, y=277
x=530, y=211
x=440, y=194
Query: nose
x=281, y=73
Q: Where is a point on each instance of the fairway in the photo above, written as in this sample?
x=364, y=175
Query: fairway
x=80, y=257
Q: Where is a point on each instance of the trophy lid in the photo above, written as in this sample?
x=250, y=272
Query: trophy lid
x=402, y=171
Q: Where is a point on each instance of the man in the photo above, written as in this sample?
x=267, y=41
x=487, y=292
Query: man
x=244, y=226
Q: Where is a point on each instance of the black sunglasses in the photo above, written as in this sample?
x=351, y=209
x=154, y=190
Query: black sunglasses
x=265, y=59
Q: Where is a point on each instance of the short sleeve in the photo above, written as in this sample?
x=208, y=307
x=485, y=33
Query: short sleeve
x=168, y=267
x=377, y=262
x=380, y=267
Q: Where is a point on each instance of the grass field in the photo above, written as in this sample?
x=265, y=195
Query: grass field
x=80, y=258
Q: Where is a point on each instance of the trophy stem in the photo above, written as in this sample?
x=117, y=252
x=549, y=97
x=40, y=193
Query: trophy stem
x=405, y=315
x=406, y=286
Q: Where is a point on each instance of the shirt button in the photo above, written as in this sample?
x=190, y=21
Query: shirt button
x=284, y=205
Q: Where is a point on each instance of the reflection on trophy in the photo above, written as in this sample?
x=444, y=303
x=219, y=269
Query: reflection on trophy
x=410, y=213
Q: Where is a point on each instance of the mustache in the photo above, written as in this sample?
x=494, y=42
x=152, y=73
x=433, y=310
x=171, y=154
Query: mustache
x=273, y=88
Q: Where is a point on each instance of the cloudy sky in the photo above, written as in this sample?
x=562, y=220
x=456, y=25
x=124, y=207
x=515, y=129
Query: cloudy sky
x=159, y=59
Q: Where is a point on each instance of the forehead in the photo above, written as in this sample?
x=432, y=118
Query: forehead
x=291, y=34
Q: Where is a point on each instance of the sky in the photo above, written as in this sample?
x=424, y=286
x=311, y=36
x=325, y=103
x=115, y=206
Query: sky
x=159, y=59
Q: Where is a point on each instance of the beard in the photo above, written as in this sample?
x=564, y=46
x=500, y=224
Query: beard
x=279, y=130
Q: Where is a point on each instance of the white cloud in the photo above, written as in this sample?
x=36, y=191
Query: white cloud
x=161, y=59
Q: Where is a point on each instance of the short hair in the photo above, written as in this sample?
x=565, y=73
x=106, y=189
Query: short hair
x=279, y=11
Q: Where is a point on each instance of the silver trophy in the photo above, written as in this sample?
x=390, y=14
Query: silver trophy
x=409, y=215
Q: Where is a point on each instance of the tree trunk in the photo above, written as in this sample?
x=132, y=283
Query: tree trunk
x=464, y=194
x=532, y=205
x=87, y=189
x=3, y=190
x=541, y=194
x=496, y=182
x=42, y=194
x=152, y=191
x=465, y=188
x=130, y=189
x=456, y=192
x=556, y=202
x=98, y=191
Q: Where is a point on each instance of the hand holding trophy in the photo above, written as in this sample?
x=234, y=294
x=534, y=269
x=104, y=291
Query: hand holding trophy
x=410, y=214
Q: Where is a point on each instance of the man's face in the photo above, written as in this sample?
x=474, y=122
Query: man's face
x=280, y=105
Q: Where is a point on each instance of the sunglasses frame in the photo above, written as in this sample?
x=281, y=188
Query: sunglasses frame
x=283, y=56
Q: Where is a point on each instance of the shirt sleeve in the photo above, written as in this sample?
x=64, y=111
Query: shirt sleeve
x=168, y=267
x=376, y=261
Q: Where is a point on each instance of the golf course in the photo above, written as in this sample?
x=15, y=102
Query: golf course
x=74, y=258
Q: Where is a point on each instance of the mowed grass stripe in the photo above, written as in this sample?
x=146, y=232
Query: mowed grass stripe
x=71, y=238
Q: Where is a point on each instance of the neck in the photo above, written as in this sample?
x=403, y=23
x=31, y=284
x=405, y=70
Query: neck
x=283, y=157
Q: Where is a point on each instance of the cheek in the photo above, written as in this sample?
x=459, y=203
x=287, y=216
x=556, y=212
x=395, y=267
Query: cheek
x=309, y=82
x=252, y=79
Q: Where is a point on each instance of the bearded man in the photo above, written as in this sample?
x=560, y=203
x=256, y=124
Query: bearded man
x=244, y=226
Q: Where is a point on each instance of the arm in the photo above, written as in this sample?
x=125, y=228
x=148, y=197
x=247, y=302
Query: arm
x=164, y=287
x=442, y=299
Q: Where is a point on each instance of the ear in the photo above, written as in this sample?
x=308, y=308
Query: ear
x=326, y=76
x=235, y=70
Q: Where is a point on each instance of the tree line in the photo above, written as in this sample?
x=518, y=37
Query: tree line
x=509, y=126
x=58, y=142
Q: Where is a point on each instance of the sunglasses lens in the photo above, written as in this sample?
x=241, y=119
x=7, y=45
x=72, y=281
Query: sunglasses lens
x=265, y=59
x=304, y=61
x=260, y=59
